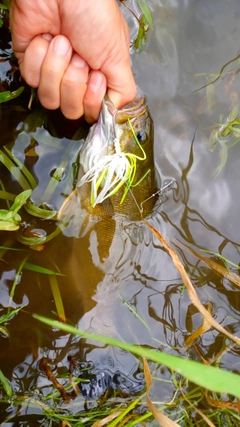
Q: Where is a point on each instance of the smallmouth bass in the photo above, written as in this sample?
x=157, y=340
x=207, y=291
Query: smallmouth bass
x=112, y=124
x=109, y=238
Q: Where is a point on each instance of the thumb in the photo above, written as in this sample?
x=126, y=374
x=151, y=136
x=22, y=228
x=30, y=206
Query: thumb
x=121, y=85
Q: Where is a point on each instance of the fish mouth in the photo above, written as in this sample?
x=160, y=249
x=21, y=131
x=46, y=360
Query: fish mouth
x=134, y=109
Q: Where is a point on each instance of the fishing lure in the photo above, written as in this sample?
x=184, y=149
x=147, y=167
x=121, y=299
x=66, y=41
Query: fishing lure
x=112, y=171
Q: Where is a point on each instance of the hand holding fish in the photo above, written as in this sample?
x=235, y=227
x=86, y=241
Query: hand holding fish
x=73, y=51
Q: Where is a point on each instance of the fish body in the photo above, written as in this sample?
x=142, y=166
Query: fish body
x=114, y=124
x=109, y=238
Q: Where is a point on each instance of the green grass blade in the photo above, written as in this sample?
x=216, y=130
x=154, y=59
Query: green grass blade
x=4, y=331
x=7, y=95
x=40, y=212
x=12, y=249
x=20, y=200
x=146, y=11
x=209, y=377
x=57, y=298
x=24, y=170
x=16, y=281
x=124, y=413
x=42, y=270
x=6, y=385
x=5, y=195
x=221, y=257
x=139, y=421
x=8, y=226
x=130, y=308
x=14, y=170
x=6, y=317
x=5, y=247
x=54, y=181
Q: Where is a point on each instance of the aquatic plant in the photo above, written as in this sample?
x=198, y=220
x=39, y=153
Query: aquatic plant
x=8, y=96
x=145, y=21
x=4, y=7
x=225, y=135
x=10, y=220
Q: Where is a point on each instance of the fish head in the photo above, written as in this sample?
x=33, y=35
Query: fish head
x=114, y=124
x=134, y=121
x=128, y=131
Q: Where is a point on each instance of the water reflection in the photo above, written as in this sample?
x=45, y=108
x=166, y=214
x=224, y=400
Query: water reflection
x=128, y=287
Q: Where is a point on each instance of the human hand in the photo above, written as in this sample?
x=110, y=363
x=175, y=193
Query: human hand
x=73, y=51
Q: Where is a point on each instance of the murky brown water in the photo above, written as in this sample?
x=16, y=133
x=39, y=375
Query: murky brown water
x=191, y=43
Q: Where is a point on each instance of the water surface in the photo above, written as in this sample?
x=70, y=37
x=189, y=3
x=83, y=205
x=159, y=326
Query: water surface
x=189, y=47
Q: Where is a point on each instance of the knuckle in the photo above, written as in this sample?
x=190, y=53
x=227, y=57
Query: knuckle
x=48, y=102
x=69, y=80
x=71, y=112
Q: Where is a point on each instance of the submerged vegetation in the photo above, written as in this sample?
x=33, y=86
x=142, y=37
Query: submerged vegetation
x=205, y=394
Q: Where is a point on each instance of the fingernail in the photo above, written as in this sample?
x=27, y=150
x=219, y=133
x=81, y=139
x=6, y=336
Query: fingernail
x=78, y=61
x=96, y=81
x=47, y=37
x=61, y=45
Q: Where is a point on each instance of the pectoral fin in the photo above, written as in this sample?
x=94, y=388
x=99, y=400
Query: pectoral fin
x=68, y=208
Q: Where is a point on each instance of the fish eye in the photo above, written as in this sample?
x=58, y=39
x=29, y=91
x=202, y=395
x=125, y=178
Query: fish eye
x=141, y=136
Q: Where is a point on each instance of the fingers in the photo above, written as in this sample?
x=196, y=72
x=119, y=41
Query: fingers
x=54, y=65
x=120, y=81
x=73, y=88
x=64, y=80
x=31, y=62
x=96, y=89
x=121, y=85
x=60, y=77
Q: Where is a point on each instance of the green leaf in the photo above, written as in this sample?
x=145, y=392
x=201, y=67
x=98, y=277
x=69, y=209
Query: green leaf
x=6, y=245
x=7, y=95
x=16, y=281
x=5, y=4
x=213, y=140
x=9, y=226
x=57, y=298
x=5, y=215
x=6, y=317
x=118, y=420
x=20, y=200
x=141, y=36
x=233, y=114
x=33, y=241
x=9, y=219
x=23, y=169
x=54, y=181
x=6, y=385
x=4, y=331
x=235, y=129
x=221, y=257
x=130, y=308
x=146, y=11
x=14, y=170
x=40, y=212
x=209, y=377
x=210, y=97
x=39, y=269
x=13, y=249
x=6, y=195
